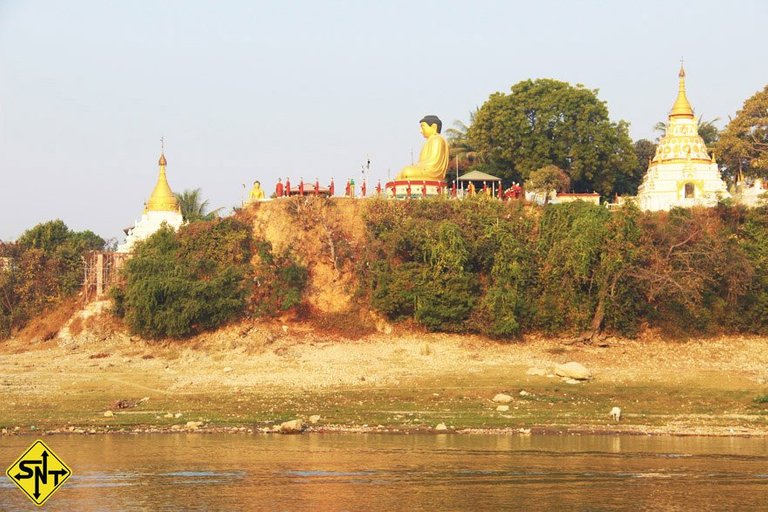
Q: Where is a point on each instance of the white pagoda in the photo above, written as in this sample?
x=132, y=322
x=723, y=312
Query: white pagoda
x=682, y=173
x=162, y=207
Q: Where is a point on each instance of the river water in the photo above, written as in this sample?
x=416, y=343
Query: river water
x=399, y=472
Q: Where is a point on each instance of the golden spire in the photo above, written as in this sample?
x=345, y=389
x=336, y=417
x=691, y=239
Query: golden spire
x=162, y=152
x=682, y=107
x=162, y=198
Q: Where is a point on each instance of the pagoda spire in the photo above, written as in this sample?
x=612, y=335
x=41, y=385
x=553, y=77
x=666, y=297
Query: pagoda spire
x=681, y=107
x=162, y=198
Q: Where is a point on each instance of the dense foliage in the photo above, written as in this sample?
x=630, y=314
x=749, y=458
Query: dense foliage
x=178, y=284
x=743, y=145
x=501, y=269
x=39, y=270
x=543, y=122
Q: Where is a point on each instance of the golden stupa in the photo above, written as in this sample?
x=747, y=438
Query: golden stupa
x=162, y=208
x=682, y=173
x=681, y=142
x=682, y=106
x=162, y=198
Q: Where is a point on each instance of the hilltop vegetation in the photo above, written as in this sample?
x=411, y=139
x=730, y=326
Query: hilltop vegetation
x=178, y=284
x=502, y=269
x=473, y=266
x=40, y=270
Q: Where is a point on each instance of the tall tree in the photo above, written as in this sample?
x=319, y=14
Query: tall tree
x=463, y=154
x=193, y=208
x=546, y=122
x=708, y=132
x=628, y=183
x=42, y=268
x=743, y=144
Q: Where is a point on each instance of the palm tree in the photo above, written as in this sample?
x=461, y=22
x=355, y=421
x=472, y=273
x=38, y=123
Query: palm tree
x=193, y=208
x=460, y=146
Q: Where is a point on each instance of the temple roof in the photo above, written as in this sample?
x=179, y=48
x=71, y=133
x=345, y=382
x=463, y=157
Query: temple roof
x=478, y=176
x=681, y=107
x=681, y=141
x=162, y=198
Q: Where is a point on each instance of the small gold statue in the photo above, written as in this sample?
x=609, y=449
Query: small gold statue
x=257, y=193
x=433, y=159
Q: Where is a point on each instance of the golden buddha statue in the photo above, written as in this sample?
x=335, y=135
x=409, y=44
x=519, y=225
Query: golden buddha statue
x=433, y=159
x=257, y=193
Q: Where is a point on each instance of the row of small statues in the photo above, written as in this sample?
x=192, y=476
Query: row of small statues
x=412, y=188
x=432, y=164
x=284, y=189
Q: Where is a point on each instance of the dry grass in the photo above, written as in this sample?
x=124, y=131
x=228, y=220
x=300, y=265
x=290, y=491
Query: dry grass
x=404, y=381
x=76, y=326
x=351, y=325
x=46, y=326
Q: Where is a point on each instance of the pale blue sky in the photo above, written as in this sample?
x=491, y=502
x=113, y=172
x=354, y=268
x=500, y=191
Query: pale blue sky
x=246, y=90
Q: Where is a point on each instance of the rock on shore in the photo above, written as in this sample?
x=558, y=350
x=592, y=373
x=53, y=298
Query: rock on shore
x=573, y=370
x=291, y=427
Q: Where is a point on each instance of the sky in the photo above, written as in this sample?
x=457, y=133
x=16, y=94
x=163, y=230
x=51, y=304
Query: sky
x=246, y=90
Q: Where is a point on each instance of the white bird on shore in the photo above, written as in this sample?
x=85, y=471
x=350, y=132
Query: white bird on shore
x=616, y=413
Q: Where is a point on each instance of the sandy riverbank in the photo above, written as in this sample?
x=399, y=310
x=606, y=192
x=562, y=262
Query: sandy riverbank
x=251, y=377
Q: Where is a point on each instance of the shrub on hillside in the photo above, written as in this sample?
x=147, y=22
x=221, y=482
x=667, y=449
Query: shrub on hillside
x=40, y=270
x=179, y=284
x=429, y=260
x=751, y=310
x=279, y=281
x=501, y=269
x=691, y=271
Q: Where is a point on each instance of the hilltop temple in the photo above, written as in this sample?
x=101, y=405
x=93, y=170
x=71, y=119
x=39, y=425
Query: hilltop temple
x=162, y=207
x=682, y=173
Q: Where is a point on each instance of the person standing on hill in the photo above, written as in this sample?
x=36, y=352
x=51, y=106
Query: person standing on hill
x=288, y=187
x=331, y=189
x=279, y=190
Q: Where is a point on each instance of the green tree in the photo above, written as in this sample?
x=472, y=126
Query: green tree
x=743, y=144
x=546, y=122
x=505, y=307
x=546, y=180
x=708, y=132
x=463, y=154
x=752, y=312
x=618, y=294
x=569, y=249
x=180, y=284
x=628, y=183
x=40, y=270
x=193, y=208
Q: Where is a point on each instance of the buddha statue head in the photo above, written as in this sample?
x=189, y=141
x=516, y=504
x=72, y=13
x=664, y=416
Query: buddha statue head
x=430, y=125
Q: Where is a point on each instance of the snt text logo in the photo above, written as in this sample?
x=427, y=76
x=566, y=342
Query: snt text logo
x=38, y=472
